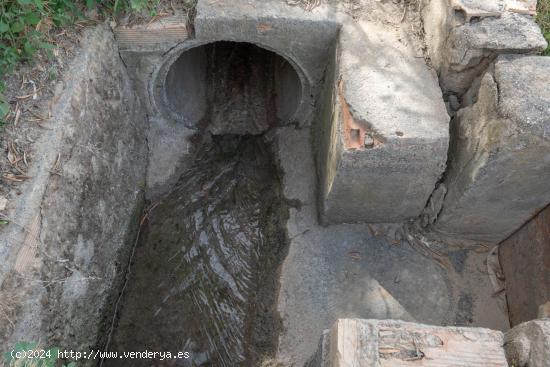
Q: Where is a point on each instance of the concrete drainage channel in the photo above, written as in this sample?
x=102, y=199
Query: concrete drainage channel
x=279, y=176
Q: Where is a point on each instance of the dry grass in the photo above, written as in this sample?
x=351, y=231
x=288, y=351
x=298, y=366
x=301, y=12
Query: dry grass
x=543, y=19
x=8, y=307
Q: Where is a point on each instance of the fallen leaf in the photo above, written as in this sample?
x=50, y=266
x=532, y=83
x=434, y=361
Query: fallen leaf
x=11, y=157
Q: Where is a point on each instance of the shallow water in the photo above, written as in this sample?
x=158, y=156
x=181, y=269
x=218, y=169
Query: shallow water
x=205, y=272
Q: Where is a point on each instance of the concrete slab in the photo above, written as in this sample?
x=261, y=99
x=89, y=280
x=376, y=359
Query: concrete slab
x=346, y=271
x=390, y=343
x=384, y=146
x=500, y=161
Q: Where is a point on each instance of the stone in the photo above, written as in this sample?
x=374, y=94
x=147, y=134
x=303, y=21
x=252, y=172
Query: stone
x=392, y=343
x=544, y=311
x=477, y=8
x=500, y=157
x=465, y=36
x=528, y=344
x=382, y=144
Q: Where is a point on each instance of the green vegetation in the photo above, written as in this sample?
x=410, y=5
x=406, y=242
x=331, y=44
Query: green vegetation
x=543, y=19
x=25, y=24
x=28, y=354
x=20, y=32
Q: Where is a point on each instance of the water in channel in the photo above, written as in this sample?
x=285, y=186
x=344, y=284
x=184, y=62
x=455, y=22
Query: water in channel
x=204, y=275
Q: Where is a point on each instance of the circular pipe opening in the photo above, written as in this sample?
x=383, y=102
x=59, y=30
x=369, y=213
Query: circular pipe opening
x=232, y=88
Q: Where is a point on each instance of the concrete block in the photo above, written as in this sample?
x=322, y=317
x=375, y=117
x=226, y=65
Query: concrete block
x=525, y=261
x=391, y=343
x=500, y=154
x=528, y=344
x=465, y=36
x=383, y=145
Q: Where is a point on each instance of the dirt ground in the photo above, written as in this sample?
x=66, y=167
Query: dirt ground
x=29, y=90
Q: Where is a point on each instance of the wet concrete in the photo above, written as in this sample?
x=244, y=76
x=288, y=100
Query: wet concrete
x=204, y=275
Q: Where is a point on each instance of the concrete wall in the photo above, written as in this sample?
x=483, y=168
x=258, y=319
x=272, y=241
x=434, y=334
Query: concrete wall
x=327, y=147
x=64, y=255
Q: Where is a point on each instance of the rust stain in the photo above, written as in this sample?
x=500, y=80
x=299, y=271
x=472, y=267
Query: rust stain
x=357, y=136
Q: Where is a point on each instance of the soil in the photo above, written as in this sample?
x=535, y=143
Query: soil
x=29, y=90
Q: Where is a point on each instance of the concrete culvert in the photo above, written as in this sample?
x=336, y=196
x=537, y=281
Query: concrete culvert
x=228, y=196
x=212, y=84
